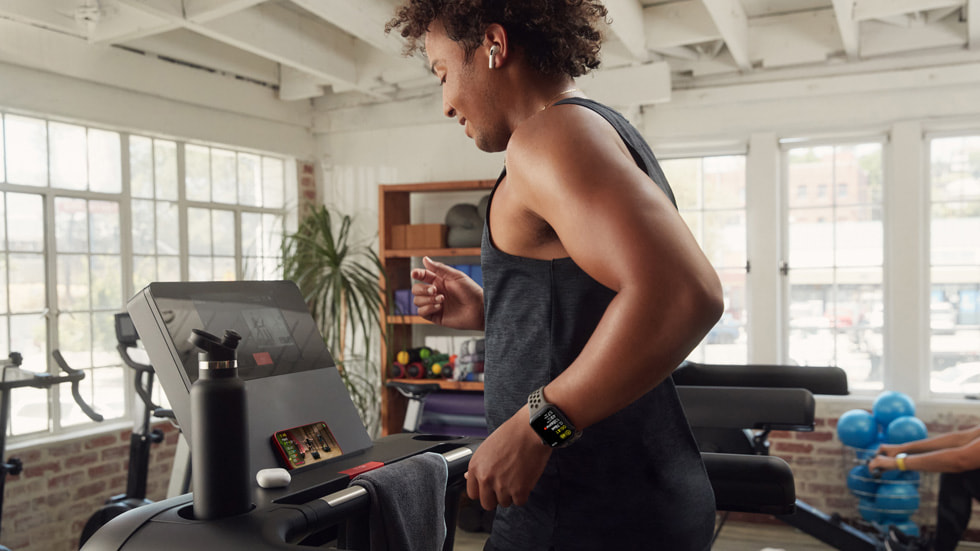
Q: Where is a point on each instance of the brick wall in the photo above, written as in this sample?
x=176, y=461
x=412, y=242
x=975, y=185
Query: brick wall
x=46, y=507
x=63, y=484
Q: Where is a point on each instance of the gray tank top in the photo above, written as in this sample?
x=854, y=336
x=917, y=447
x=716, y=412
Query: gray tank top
x=633, y=479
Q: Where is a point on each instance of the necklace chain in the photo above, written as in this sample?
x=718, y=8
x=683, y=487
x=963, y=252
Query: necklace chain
x=548, y=103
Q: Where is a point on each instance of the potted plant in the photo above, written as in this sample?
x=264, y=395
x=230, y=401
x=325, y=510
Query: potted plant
x=341, y=282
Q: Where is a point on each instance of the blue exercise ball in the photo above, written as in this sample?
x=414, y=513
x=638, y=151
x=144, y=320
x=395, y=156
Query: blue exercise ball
x=897, y=501
x=857, y=428
x=861, y=483
x=868, y=510
x=902, y=476
x=890, y=405
x=905, y=429
x=908, y=528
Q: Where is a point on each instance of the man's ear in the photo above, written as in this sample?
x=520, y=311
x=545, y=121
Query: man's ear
x=495, y=46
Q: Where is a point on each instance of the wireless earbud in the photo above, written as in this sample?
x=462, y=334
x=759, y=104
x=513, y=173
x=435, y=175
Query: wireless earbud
x=493, y=52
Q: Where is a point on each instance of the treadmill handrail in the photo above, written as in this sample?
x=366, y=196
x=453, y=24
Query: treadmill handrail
x=829, y=380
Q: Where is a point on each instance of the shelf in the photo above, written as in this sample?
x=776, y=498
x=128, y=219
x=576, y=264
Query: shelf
x=445, y=384
x=407, y=320
x=409, y=253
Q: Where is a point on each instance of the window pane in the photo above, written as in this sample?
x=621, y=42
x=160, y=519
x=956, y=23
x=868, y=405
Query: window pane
x=836, y=257
x=272, y=183
x=73, y=282
x=71, y=225
x=3, y=294
x=141, y=167
x=251, y=234
x=199, y=231
x=69, y=156
x=724, y=238
x=104, y=226
x=224, y=175
x=224, y=269
x=684, y=177
x=724, y=182
x=27, y=290
x=106, y=282
x=3, y=165
x=813, y=231
x=954, y=312
x=26, y=140
x=144, y=271
x=811, y=173
x=199, y=268
x=249, y=180
x=165, y=169
x=197, y=171
x=168, y=228
x=143, y=225
x=25, y=222
x=710, y=193
x=223, y=232
x=168, y=268
x=104, y=161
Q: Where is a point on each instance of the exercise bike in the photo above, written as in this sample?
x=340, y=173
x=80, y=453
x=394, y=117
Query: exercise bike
x=16, y=377
x=140, y=441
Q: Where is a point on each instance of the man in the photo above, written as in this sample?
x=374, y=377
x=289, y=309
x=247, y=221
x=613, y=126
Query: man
x=957, y=456
x=594, y=289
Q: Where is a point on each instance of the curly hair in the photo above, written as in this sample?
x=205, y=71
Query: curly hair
x=558, y=37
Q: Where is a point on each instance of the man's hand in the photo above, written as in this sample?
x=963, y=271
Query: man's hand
x=447, y=296
x=507, y=465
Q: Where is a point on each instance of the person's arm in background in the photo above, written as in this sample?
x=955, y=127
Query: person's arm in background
x=954, y=452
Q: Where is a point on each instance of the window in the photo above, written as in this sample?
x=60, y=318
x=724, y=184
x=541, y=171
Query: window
x=77, y=240
x=954, y=313
x=835, y=260
x=710, y=193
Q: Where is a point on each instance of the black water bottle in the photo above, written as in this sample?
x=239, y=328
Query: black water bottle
x=219, y=430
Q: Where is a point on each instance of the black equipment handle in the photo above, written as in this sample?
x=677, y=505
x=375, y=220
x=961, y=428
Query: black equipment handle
x=73, y=376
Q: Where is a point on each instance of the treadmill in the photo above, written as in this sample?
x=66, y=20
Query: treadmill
x=294, y=393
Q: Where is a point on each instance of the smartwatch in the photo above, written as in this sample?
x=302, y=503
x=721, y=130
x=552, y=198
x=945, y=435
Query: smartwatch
x=552, y=426
x=900, y=461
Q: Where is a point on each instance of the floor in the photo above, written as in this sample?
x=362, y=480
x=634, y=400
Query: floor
x=735, y=536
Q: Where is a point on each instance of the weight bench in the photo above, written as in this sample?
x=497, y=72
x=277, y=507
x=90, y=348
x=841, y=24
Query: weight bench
x=733, y=408
x=743, y=483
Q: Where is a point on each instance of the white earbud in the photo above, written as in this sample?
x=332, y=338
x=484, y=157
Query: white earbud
x=493, y=52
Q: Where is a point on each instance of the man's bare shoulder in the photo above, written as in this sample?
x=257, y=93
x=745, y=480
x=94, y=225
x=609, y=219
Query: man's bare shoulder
x=564, y=145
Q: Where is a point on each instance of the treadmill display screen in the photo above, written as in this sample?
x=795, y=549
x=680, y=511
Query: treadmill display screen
x=278, y=334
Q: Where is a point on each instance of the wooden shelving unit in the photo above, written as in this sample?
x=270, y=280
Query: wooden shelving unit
x=394, y=208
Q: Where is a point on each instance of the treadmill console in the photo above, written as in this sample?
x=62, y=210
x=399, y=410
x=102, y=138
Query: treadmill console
x=291, y=379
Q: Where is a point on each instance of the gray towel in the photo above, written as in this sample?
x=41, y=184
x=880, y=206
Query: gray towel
x=408, y=503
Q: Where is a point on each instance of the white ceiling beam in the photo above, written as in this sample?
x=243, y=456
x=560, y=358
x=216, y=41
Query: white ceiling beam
x=273, y=32
x=848, y=27
x=973, y=24
x=362, y=19
x=626, y=18
x=202, y=11
x=194, y=48
x=296, y=85
x=879, y=9
x=61, y=54
x=729, y=16
x=678, y=24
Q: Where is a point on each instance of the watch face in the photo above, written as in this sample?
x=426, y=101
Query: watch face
x=552, y=427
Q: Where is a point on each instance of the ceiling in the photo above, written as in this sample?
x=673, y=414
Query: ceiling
x=305, y=49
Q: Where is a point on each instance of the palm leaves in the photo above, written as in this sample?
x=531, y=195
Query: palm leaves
x=340, y=281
